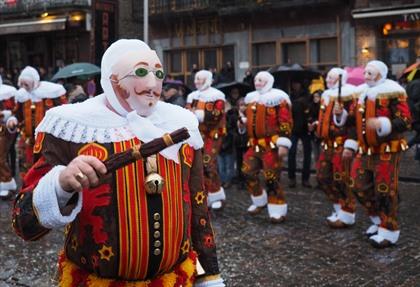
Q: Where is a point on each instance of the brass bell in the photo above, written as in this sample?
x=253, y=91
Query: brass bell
x=325, y=146
x=335, y=145
x=369, y=151
x=403, y=146
x=360, y=150
x=272, y=145
x=257, y=148
x=216, y=136
x=387, y=148
x=154, y=183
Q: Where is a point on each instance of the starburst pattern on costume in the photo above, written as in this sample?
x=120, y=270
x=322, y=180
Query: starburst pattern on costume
x=185, y=247
x=208, y=241
x=106, y=252
x=199, y=197
x=74, y=244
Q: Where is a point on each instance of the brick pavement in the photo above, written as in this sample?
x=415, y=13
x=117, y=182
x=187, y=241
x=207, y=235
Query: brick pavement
x=252, y=252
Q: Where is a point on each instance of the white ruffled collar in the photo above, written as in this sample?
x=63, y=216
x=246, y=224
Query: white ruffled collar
x=45, y=90
x=209, y=95
x=270, y=99
x=386, y=87
x=6, y=92
x=93, y=121
x=346, y=90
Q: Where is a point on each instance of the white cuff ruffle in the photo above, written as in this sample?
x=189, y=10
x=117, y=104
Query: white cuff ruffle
x=351, y=144
x=200, y=115
x=385, y=128
x=46, y=202
x=284, y=142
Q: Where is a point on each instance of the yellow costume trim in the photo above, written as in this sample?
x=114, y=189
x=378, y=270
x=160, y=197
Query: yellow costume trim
x=67, y=269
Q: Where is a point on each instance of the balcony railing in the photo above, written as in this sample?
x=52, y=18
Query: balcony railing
x=158, y=7
x=28, y=6
x=176, y=6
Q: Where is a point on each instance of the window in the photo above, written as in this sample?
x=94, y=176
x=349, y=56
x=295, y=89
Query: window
x=294, y=53
x=264, y=55
x=210, y=59
x=175, y=62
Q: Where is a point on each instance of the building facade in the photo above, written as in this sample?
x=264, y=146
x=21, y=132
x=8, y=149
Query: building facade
x=387, y=30
x=251, y=34
x=50, y=33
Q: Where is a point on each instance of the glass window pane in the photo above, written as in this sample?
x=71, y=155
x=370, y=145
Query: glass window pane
x=294, y=53
x=327, y=50
x=228, y=55
x=192, y=59
x=176, y=63
x=210, y=59
x=264, y=54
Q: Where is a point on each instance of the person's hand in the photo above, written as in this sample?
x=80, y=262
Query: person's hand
x=338, y=109
x=347, y=154
x=373, y=124
x=11, y=124
x=282, y=152
x=81, y=172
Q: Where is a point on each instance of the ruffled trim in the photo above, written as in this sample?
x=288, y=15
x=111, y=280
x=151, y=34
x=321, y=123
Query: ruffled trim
x=270, y=99
x=45, y=90
x=70, y=275
x=388, y=88
x=93, y=121
x=209, y=95
x=347, y=91
x=6, y=92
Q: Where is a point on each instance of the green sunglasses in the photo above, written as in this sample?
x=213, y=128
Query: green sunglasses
x=142, y=72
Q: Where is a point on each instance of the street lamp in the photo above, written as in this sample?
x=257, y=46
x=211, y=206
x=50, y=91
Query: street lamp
x=146, y=21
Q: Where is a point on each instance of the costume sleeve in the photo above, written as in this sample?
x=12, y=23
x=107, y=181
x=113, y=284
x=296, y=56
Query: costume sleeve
x=201, y=230
x=26, y=221
x=214, y=116
x=350, y=126
x=401, y=116
x=286, y=123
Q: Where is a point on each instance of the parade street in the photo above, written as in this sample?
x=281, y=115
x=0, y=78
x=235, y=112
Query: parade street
x=303, y=251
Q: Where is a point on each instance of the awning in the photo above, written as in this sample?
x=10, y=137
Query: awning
x=384, y=11
x=43, y=25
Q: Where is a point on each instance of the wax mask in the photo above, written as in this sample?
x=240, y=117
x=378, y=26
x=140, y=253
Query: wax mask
x=137, y=81
x=332, y=80
x=260, y=82
x=371, y=75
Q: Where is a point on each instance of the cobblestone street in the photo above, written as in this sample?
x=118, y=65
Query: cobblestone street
x=303, y=251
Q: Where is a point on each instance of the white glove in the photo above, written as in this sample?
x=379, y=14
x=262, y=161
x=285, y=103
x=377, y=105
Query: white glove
x=200, y=115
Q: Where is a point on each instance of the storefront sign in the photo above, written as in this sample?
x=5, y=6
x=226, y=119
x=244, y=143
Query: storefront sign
x=105, y=27
x=411, y=17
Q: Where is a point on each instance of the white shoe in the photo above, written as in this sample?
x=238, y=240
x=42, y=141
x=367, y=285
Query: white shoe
x=4, y=194
x=277, y=212
x=372, y=230
x=332, y=217
x=217, y=205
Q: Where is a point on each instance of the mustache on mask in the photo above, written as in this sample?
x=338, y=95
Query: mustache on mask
x=146, y=92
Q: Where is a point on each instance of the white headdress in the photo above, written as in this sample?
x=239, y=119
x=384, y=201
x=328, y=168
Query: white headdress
x=206, y=75
x=270, y=81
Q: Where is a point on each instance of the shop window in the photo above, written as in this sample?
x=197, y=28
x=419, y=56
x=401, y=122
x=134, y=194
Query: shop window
x=210, y=58
x=294, y=53
x=264, y=55
x=192, y=59
x=175, y=60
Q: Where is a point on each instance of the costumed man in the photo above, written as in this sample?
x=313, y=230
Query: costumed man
x=146, y=221
x=382, y=116
x=335, y=120
x=8, y=124
x=268, y=123
x=34, y=98
x=208, y=105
